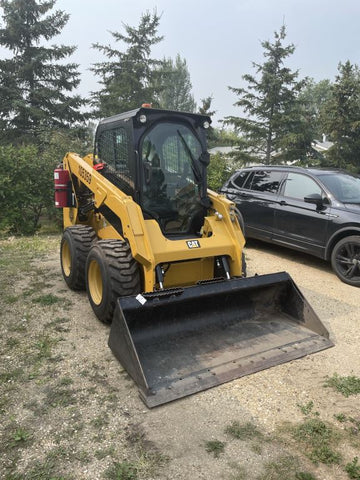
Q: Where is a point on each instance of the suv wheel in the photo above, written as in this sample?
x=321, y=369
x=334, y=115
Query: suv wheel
x=345, y=260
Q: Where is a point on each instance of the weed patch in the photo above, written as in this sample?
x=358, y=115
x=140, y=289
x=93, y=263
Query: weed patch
x=307, y=408
x=122, y=471
x=318, y=439
x=286, y=467
x=345, y=385
x=11, y=299
x=340, y=417
x=244, y=431
x=100, y=421
x=216, y=447
x=148, y=460
x=353, y=469
x=11, y=376
x=58, y=324
x=105, y=452
x=60, y=397
x=43, y=345
x=46, y=300
x=47, y=470
x=20, y=438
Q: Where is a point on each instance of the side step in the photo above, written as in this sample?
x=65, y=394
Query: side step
x=187, y=340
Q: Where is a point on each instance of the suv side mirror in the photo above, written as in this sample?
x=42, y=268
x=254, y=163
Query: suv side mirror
x=316, y=199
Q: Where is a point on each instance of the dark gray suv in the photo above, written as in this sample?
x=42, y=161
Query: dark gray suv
x=313, y=210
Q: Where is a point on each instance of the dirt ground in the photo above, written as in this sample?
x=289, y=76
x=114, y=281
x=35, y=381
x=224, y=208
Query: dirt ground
x=70, y=411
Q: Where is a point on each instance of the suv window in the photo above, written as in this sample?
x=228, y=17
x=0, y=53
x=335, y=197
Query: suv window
x=238, y=181
x=299, y=186
x=265, y=181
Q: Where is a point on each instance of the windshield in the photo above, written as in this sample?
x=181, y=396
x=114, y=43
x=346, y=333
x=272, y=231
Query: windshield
x=171, y=174
x=345, y=187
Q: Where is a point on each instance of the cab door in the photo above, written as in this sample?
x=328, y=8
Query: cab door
x=297, y=223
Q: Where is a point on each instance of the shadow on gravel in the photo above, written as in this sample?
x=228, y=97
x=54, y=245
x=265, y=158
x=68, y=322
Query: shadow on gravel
x=289, y=255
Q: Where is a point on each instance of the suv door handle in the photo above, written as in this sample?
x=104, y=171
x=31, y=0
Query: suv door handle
x=282, y=202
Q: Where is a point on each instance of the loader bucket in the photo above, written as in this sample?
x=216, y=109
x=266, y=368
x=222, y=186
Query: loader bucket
x=183, y=341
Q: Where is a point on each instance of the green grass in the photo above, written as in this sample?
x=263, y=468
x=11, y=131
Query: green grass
x=345, y=385
x=60, y=397
x=66, y=381
x=47, y=299
x=216, y=447
x=243, y=431
x=340, y=417
x=122, y=471
x=20, y=256
x=59, y=324
x=11, y=376
x=286, y=467
x=145, y=465
x=20, y=437
x=319, y=440
x=353, y=469
x=105, y=452
x=100, y=421
x=11, y=299
x=43, y=345
x=307, y=408
x=16, y=254
x=47, y=470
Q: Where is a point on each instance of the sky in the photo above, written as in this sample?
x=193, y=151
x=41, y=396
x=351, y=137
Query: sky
x=220, y=38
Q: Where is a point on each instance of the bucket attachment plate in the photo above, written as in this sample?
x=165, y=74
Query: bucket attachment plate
x=188, y=340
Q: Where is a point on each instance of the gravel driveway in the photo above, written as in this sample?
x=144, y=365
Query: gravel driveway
x=83, y=417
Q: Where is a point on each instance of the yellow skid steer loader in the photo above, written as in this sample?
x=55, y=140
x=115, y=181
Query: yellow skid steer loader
x=161, y=258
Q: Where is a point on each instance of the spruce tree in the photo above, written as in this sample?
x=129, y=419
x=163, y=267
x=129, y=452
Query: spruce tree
x=173, y=86
x=205, y=107
x=35, y=83
x=274, y=128
x=314, y=97
x=341, y=118
x=127, y=77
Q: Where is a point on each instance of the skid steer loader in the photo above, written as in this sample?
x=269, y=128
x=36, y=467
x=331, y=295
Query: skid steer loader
x=161, y=258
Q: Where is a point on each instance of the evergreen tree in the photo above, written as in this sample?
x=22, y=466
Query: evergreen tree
x=34, y=87
x=127, y=78
x=341, y=118
x=314, y=97
x=173, y=86
x=205, y=107
x=274, y=128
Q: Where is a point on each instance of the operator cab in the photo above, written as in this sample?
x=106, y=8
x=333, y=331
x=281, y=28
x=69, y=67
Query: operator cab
x=159, y=157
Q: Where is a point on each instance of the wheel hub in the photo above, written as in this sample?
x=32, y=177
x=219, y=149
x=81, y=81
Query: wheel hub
x=66, y=259
x=95, y=282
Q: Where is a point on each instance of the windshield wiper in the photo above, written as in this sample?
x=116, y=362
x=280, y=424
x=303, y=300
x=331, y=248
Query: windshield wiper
x=194, y=165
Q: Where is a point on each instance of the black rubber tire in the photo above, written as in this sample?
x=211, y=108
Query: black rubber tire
x=345, y=260
x=111, y=272
x=74, y=248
